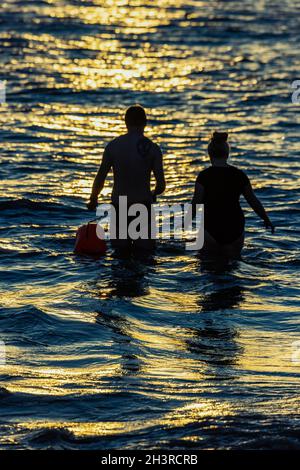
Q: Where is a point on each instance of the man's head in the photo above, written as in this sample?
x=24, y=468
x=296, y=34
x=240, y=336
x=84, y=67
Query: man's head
x=135, y=117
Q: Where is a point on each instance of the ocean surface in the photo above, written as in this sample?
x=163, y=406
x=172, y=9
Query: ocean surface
x=170, y=352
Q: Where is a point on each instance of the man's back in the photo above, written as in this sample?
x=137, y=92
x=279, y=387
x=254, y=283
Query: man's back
x=133, y=157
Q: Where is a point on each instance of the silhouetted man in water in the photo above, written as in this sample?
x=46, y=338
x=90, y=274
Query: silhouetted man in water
x=133, y=157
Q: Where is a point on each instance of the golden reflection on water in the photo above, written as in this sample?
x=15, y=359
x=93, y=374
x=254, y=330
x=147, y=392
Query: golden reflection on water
x=182, y=416
x=76, y=133
x=145, y=67
x=166, y=378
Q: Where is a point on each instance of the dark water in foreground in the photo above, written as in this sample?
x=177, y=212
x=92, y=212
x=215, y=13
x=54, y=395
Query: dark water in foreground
x=172, y=353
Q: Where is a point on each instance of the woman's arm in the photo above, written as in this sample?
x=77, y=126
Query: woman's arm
x=257, y=206
x=198, y=196
x=197, y=199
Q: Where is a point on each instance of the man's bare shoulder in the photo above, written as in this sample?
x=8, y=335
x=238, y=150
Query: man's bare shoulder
x=115, y=145
x=155, y=148
x=117, y=140
x=143, y=142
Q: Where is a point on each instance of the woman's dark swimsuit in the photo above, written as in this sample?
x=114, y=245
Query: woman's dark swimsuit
x=223, y=216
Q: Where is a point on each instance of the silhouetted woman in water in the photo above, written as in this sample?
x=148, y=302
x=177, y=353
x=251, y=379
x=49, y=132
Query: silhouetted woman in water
x=219, y=188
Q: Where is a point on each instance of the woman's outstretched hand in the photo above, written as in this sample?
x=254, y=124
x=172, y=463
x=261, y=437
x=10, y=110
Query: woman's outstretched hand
x=268, y=224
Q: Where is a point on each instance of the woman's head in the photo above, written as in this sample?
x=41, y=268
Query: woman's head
x=218, y=146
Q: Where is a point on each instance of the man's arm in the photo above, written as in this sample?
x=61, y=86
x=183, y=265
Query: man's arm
x=158, y=172
x=99, y=180
x=257, y=206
